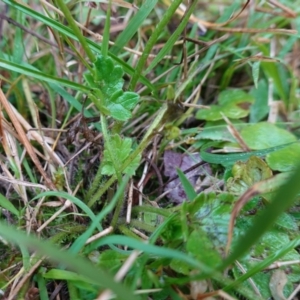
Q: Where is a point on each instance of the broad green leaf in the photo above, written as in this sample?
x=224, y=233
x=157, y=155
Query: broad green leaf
x=180, y=266
x=265, y=135
x=234, y=104
x=285, y=159
x=234, y=96
x=284, y=198
x=218, y=131
x=122, y=149
x=200, y=245
x=120, y=107
x=109, y=259
x=287, y=222
x=6, y=204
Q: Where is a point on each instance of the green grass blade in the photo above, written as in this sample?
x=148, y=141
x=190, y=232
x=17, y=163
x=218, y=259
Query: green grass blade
x=283, y=200
x=105, y=41
x=74, y=27
x=8, y=65
x=6, y=204
x=152, y=249
x=174, y=37
x=70, y=99
x=73, y=199
x=152, y=41
x=133, y=26
x=187, y=186
x=77, y=264
x=80, y=241
x=68, y=32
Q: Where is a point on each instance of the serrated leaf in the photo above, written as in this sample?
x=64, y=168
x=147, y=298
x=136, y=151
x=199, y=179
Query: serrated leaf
x=108, y=74
x=122, y=149
x=121, y=105
x=107, y=83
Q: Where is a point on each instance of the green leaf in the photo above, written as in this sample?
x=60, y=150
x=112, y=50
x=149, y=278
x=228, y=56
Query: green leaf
x=245, y=174
x=264, y=221
x=68, y=276
x=109, y=259
x=255, y=72
x=33, y=72
x=174, y=37
x=273, y=70
x=5, y=203
x=120, y=106
x=285, y=159
x=201, y=246
x=265, y=135
x=234, y=96
x=287, y=222
x=122, y=149
x=106, y=83
x=259, y=109
x=187, y=186
x=234, y=104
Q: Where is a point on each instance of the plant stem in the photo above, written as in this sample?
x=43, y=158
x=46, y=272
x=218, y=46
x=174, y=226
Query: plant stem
x=109, y=147
x=117, y=211
x=96, y=182
x=102, y=190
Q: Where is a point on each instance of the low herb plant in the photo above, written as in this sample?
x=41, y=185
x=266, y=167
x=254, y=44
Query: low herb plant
x=161, y=162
